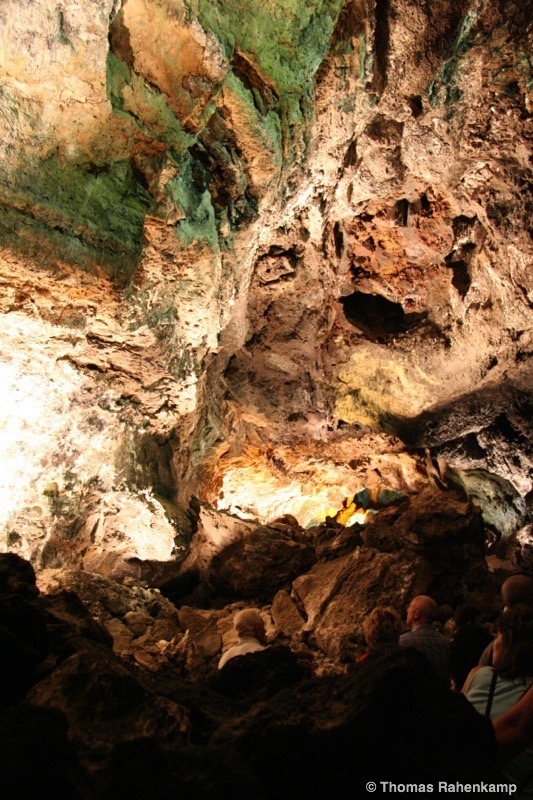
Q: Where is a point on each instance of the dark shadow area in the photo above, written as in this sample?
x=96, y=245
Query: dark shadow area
x=504, y=409
x=378, y=317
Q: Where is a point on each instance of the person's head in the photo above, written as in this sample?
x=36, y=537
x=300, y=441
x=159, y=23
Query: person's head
x=513, y=647
x=382, y=626
x=421, y=610
x=466, y=614
x=249, y=622
x=517, y=589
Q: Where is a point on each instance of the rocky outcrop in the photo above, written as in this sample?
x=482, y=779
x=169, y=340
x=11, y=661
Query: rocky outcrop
x=336, y=596
x=260, y=564
x=379, y=718
x=446, y=530
x=291, y=262
x=275, y=259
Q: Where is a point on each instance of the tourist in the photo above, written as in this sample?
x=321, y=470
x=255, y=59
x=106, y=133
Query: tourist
x=503, y=693
x=250, y=629
x=421, y=614
x=516, y=590
x=382, y=629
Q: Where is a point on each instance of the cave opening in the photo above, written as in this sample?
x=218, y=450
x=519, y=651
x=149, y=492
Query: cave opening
x=379, y=319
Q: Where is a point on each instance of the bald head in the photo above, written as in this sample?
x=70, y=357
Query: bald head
x=517, y=589
x=422, y=610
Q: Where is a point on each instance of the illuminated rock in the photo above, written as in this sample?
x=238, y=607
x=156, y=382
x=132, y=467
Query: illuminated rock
x=242, y=247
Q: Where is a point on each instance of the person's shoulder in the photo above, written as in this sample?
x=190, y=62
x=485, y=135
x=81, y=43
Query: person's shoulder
x=228, y=655
x=478, y=676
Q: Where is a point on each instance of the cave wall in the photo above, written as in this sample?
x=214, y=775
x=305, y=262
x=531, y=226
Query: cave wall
x=279, y=249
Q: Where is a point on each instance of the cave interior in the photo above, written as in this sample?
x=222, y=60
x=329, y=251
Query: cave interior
x=265, y=335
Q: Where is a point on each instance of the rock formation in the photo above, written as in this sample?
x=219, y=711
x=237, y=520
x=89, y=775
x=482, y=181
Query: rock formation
x=265, y=256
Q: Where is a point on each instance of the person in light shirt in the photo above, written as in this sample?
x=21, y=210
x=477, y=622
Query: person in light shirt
x=250, y=629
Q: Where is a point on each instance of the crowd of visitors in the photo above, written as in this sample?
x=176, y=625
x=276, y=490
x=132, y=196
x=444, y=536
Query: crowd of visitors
x=494, y=672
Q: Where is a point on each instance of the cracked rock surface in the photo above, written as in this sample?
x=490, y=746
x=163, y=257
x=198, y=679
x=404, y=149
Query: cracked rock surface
x=265, y=257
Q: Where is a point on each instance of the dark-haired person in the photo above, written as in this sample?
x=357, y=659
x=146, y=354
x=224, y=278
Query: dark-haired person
x=516, y=590
x=468, y=643
x=495, y=691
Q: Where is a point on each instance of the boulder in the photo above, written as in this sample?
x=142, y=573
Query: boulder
x=23, y=635
x=390, y=720
x=203, y=630
x=105, y=702
x=260, y=564
x=334, y=541
x=443, y=527
x=336, y=596
x=216, y=531
x=17, y=576
x=286, y=616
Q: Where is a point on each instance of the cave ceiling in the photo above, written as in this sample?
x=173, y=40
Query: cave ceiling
x=264, y=254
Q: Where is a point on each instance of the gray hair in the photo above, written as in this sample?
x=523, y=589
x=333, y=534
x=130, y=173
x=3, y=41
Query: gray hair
x=246, y=621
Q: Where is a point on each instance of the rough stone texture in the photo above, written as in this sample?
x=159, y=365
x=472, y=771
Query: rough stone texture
x=23, y=635
x=378, y=718
x=336, y=596
x=261, y=563
x=259, y=257
x=432, y=544
x=91, y=685
x=443, y=527
x=286, y=616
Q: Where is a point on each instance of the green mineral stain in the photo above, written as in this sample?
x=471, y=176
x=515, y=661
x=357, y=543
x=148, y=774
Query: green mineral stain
x=526, y=66
x=99, y=211
x=445, y=84
x=61, y=36
x=131, y=95
x=287, y=39
x=267, y=128
x=190, y=193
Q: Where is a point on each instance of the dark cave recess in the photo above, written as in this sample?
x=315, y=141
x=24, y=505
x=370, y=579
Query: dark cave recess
x=378, y=318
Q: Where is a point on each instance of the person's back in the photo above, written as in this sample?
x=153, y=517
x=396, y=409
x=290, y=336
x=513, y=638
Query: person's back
x=494, y=691
x=250, y=629
x=468, y=643
x=424, y=638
